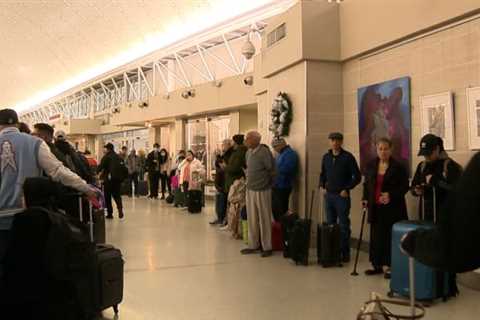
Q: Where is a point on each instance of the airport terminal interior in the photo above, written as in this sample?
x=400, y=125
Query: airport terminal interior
x=142, y=80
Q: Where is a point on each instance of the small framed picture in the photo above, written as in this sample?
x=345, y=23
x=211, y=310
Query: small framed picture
x=473, y=107
x=438, y=117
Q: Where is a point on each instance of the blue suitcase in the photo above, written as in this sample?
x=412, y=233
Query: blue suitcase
x=427, y=280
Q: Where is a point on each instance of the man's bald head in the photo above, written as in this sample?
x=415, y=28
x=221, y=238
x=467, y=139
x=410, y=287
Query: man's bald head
x=253, y=139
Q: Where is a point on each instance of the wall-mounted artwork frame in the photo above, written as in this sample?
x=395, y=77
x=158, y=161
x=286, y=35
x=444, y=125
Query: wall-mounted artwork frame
x=438, y=117
x=384, y=111
x=473, y=108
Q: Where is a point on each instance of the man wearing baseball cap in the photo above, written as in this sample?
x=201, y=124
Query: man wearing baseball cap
x=438, y=172
x=23, y=156
x=435, y=182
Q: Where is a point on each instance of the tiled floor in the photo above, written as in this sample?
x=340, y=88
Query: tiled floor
x=179, y=267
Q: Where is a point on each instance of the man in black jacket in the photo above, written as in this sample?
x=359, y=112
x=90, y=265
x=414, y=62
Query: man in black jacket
x=434, y=181
x=153, y=167
x=453, y=245
x=339, y=175
x=222, y=195
x=435, y=177
x=75, y=161
x=112, y=183
x=45, y=132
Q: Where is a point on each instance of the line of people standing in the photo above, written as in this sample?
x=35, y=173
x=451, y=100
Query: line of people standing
x=249, y=178
x=385, y=185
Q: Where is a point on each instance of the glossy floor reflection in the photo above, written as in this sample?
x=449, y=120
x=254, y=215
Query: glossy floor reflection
x=180, y=267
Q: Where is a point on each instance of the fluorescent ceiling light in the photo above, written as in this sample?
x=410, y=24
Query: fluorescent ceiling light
x=202, y=18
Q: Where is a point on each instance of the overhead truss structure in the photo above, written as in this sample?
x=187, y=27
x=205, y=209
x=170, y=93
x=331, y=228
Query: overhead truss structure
x=138, y=81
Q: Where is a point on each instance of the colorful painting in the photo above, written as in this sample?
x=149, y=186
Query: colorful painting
x=384, y=111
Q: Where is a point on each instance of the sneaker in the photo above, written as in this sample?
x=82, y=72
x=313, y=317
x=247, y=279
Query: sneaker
x=249, y=251
x=214, y=222
x=120, y=214
x=163, y=197
x=267, y=253
x=223, y=228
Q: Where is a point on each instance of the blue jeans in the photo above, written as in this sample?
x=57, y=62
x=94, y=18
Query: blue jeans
x=221, y=205
x=338, y=210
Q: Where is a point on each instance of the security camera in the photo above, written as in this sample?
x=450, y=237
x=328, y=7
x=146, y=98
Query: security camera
x=248, y=81
x=191, y=93
x=116, y=110
x=248, y=49
x=143, y=104
x=185, y=94
x=217, y=83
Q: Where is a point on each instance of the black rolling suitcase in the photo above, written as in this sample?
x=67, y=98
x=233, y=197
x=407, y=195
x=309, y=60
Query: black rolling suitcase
x=328, y=242
x=98, y=218
x=195, y=201
x=142, y=188
x=299, y=238
x=108, y=274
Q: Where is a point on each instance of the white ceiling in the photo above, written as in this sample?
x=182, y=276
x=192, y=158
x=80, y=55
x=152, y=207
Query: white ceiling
x=45, y=43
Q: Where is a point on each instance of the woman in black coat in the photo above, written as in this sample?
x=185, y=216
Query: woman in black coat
x=384, y=189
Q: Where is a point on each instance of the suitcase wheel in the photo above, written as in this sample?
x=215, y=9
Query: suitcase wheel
x=115, y=309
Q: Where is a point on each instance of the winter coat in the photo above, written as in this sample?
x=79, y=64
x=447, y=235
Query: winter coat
x=453, y=244
x=133, y=164
x=395, y=182
x=445, y=173
x=286, y=167
x=155, y=162
x=197, y=173
x=235, y=166
x=339, y=172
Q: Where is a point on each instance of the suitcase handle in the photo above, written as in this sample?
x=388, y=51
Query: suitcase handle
x=422, y=200
x=90, y=213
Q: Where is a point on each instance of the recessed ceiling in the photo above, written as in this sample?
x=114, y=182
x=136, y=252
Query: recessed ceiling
x=50, y=46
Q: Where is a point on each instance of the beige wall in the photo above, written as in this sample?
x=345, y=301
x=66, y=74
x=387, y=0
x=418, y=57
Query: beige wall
x=320, y=31
x=366, y=24
x=293, y=82
x=287, y=51
x=324, y=115
x=233, y=93
x=446, y=61
x=248, y=120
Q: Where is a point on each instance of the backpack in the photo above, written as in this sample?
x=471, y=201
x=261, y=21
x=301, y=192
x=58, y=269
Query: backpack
x=118, y=169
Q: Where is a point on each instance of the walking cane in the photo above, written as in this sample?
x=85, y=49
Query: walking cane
x=354, y=272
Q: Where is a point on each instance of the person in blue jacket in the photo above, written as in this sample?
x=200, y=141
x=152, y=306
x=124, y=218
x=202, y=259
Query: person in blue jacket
x=286, y=168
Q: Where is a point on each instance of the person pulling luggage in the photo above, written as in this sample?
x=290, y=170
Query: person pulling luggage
x=339, y=175
x=434, y=182
x=113, y=171
x=23, y=156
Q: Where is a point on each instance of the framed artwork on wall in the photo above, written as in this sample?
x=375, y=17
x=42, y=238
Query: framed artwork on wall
x=438, y=118
x=384, y=112
x=473, y=107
